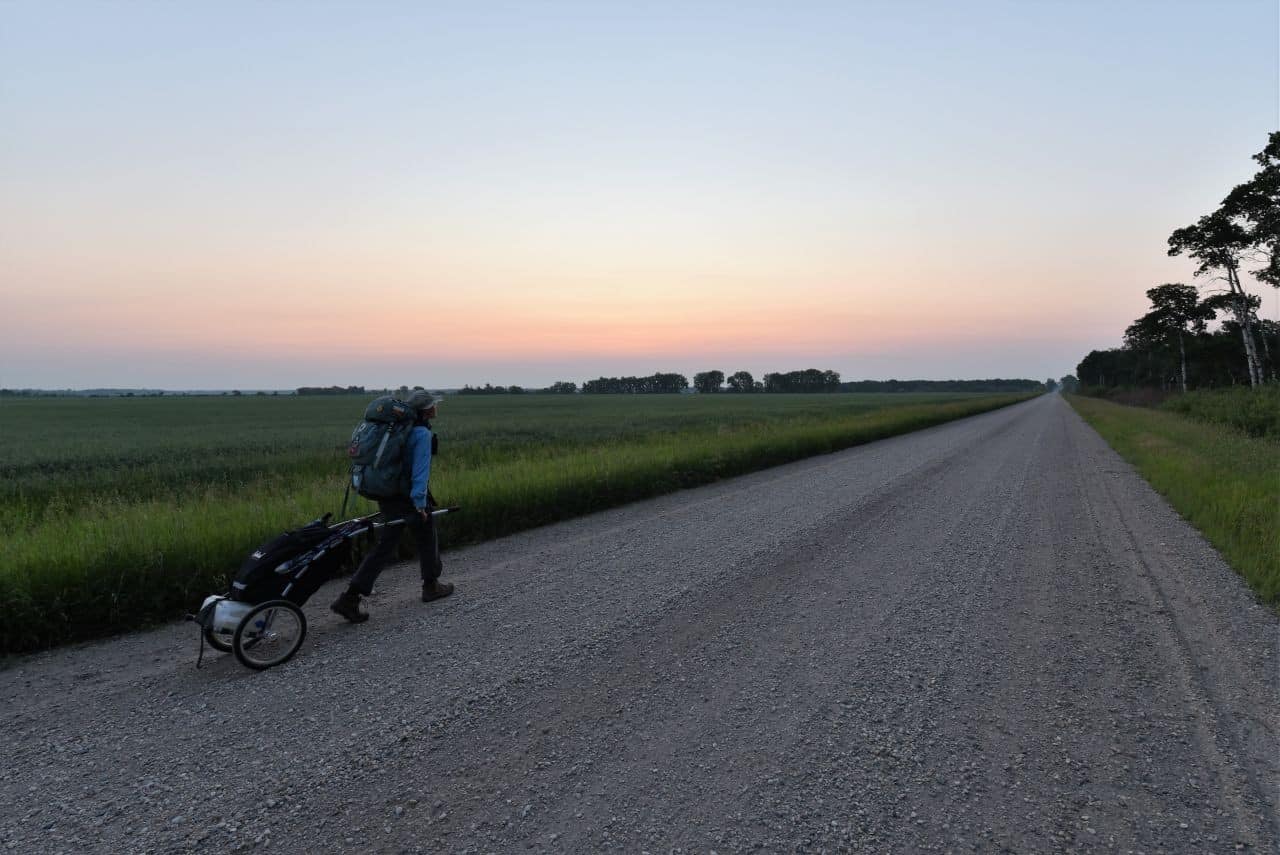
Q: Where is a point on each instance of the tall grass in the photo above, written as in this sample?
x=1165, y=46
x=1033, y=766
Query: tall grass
x=118, y=513
x=1255, y=412
x=1225, y=483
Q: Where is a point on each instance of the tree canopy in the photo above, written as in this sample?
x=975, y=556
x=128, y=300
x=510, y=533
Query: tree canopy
x=742, y=381
x=708, y=381
x=808, y=380
x=1172, y=343
x=653, y=384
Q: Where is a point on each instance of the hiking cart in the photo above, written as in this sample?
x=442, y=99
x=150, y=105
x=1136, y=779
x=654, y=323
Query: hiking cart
x=260, y=619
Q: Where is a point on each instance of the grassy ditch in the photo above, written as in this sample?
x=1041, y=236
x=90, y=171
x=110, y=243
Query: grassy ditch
x=1255, y=412
x=1224, y=482
x=122, y=512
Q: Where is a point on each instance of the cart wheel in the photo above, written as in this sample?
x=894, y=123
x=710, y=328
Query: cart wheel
x=217, y=642
x=269, y=634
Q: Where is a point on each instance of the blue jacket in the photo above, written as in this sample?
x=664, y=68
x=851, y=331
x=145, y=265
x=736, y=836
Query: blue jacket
x=418, y=447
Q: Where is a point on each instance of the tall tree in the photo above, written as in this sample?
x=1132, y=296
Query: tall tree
x=1256, y=204
x=742, y=381
x=708, y=381
x=1217, y=242
x=1145, y=341
x=1176, y=311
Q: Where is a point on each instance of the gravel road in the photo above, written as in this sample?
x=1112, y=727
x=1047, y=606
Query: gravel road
x=987, y=636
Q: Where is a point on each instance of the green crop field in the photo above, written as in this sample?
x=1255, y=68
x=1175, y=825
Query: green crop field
x=120, y=511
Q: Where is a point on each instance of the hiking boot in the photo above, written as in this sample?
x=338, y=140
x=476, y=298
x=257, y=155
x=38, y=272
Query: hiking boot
x=435, y=590
x=348, y=605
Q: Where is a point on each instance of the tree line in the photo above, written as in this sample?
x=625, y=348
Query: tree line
x=705, y=382
x=990, y=385
x=331, y=390
x=713, y=382
x=743, y=382
x=562, y=387
x=805, y=380
x=1172, y=346
x=653, y=384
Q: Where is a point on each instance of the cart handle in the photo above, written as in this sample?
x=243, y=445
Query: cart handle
x=436, y=513
x=453, y=509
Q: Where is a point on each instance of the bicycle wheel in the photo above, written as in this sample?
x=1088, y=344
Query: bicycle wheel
x=217, y=642
x=269, y=634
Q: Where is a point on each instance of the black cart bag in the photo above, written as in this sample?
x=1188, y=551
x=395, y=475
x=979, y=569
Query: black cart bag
x=292, y=566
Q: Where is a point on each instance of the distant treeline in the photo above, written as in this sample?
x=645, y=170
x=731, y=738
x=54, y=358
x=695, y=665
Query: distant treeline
x=335, y=390
x=56, y=393
x=400, y=392
x=993, y=385
x=653, y=384
x=808, y=380
x=562, y=387
x=742, y=382
x=130, y=393
x=704, y=382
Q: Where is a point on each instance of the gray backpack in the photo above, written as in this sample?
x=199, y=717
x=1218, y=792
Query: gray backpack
x=379, y=469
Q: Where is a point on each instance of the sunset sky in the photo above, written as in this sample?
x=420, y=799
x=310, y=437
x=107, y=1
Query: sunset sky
x=267, y=195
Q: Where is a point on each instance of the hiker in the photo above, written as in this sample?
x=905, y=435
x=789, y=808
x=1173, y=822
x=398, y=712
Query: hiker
x=414, y=508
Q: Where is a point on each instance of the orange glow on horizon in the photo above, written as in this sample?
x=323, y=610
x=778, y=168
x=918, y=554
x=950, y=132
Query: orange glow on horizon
x=305, y=300
x=534, y=325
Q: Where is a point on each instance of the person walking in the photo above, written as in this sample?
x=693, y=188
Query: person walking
x=412, y=512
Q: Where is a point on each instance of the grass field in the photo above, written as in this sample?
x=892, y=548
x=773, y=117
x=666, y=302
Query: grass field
x=1224, y=482
x=121, y=511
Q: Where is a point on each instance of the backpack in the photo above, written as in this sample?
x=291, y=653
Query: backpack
x=379, y=469
x=297, y=561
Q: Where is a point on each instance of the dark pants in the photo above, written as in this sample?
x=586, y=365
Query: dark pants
x=424, y=535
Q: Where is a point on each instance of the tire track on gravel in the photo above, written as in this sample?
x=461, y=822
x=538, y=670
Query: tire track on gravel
x=1197, y=646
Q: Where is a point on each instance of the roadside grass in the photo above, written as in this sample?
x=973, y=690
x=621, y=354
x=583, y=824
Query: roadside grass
x=1224, y=482
x=120, y=513
x=1255, y=412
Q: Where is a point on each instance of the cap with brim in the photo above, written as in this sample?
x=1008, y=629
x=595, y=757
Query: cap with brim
x=421, y=400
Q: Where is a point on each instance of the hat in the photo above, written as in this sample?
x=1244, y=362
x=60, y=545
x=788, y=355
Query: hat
x=421, y=399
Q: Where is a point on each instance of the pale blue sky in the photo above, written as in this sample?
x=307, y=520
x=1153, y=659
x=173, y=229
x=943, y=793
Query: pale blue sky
x=887, y=189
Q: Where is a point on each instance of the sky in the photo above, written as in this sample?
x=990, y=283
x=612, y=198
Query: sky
x=267, y=195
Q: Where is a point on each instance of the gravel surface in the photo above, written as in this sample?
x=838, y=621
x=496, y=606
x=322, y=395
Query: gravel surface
x=987, y=636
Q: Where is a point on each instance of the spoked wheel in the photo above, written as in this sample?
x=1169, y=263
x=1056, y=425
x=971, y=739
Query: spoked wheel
x=269, y=634
x=216, y=641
